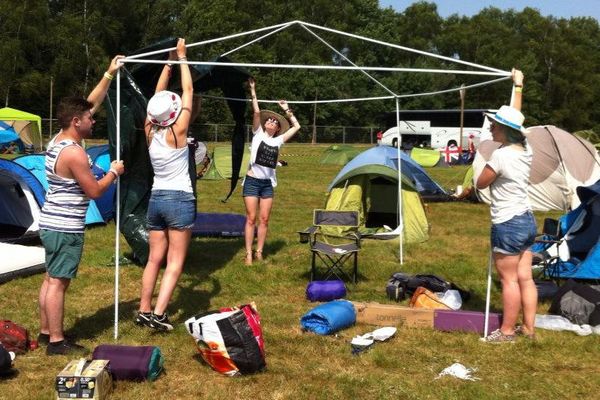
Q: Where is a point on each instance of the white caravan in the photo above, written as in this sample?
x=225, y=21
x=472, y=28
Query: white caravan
x=435, y=128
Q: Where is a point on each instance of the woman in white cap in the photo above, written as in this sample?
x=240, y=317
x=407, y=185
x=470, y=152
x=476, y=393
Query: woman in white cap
x=172, y=206
x=271, y=131
x=513, y=225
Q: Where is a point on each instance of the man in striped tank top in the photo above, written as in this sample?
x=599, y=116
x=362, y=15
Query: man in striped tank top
x=71, y=185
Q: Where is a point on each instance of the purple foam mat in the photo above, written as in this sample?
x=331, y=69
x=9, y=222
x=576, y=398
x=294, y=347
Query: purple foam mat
x=464, y=321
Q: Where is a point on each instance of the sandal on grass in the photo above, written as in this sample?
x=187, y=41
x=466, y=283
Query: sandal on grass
x=248, y=258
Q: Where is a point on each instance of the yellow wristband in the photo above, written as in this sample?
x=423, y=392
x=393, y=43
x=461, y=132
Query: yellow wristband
x=109, y=76
x=518, y=89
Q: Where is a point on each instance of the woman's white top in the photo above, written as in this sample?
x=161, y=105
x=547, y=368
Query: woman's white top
x=170, y=165
x=264, y=152
x=509, y=191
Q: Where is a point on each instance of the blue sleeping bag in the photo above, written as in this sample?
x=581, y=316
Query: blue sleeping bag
x=329, y=318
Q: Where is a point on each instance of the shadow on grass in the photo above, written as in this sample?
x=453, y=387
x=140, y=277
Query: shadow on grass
x=273, y=247
x=205, y=256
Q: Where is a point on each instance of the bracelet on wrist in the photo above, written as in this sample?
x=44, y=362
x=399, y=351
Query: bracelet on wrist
x=518, y=89
x=182, y=58
x=521, y=85
x=109, y=76
x=114, y=172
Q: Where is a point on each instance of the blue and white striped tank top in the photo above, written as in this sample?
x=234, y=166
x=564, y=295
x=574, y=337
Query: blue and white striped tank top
x=66, y=203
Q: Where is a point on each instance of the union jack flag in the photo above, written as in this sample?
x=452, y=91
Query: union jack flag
x=451, y=154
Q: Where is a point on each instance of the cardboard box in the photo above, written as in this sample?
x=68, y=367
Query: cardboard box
x=465, y=321
x=82, y=379
x=392, y=315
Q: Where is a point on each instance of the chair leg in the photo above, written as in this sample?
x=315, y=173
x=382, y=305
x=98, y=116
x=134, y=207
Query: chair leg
x=355, y=267
x=313, y=267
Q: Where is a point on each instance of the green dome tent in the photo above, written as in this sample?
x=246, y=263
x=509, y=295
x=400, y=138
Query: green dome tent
x=369, y=184
x=220, y=163
x=27, y=126
x=339, y=154
x=425, y=157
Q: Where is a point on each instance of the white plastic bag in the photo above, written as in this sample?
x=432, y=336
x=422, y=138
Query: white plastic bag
x=459, y=371
x=560, y=323
x=451, y=298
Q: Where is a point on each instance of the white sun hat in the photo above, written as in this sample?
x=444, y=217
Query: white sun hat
x=164, y=108
x=510, y=117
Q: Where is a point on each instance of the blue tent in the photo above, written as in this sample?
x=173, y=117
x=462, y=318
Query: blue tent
x=388, y=156
x=9, y=135
x=99, y=211
x=100, y=156
x=21, y=197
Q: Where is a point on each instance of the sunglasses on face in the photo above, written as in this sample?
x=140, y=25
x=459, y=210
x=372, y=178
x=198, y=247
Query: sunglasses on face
x=273, y=120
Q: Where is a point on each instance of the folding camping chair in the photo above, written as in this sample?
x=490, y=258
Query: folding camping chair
x=566, y=244
x=334, y=239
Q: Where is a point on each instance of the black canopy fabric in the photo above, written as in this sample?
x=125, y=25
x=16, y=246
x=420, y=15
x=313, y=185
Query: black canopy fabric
x=137, y=86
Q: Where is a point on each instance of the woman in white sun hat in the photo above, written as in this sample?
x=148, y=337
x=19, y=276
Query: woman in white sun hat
x=513, y=225
x=271, y=131
x=172, y=206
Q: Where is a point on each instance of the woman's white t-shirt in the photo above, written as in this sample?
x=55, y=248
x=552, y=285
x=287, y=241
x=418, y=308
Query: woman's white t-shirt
x=509, y=191
x=264, y=152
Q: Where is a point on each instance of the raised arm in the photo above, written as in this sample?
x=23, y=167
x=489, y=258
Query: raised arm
x=517, y=95
x=290, y=116
x=187, y=96
x=96, y=96
x=165, y=75
x=255, y=107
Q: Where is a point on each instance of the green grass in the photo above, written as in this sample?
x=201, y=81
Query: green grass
x=303, y=365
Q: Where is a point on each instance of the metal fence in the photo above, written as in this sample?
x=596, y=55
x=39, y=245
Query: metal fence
x=224, y=133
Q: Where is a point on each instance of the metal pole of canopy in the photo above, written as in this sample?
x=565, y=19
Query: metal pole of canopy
x=117, y=206
x=400, y=217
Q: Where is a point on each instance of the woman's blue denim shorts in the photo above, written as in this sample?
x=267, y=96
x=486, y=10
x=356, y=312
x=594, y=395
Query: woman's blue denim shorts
x=171, y=209
x=254, y=187
x=515, y=235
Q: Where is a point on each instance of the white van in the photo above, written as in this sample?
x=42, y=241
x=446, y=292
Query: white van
x=435, y=128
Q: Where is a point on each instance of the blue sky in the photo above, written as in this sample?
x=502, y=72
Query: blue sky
x=557, y=8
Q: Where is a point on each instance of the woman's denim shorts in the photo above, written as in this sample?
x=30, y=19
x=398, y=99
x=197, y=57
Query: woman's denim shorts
x=171, y=209
x=515, y=235
x=254, y=187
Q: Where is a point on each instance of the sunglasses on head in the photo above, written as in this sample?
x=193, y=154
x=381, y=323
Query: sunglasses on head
x=273, y=120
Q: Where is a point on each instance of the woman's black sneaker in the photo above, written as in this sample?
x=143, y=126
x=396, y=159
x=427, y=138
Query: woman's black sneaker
x=160, y=322
x=143, y=318
x=65, y=348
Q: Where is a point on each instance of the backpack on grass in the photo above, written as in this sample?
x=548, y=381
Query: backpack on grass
x=401, y=285
x=14, y=337
x=578, y=302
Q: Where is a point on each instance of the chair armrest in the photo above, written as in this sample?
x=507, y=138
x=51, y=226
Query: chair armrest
x=306, y=234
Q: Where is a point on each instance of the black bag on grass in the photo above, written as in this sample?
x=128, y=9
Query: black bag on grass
x=401, y=285
x=578, y=302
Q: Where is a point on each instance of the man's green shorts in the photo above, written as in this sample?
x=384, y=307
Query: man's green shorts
x=63, y=252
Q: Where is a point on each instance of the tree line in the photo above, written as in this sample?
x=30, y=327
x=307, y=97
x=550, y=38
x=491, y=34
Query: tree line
x=70, y=43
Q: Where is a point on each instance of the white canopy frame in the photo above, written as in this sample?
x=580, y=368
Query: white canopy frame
x=485, y=71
